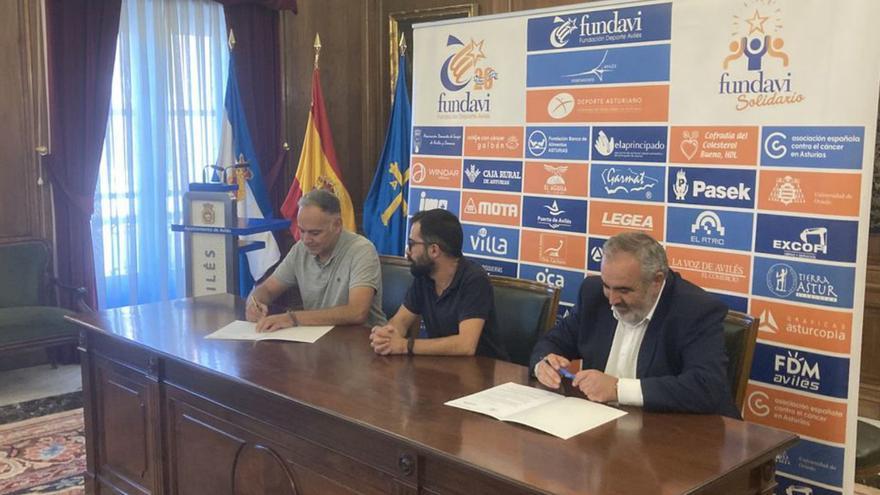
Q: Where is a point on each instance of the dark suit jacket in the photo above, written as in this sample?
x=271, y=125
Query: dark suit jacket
x=681, y=364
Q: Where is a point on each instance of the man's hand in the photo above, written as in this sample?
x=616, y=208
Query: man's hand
x=597, y=386
x=547, y=370
x=275, y=322
x=255, y=310
x=387, y=340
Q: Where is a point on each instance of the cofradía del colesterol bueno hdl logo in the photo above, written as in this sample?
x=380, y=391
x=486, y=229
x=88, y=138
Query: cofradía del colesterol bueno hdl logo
x=467, y=77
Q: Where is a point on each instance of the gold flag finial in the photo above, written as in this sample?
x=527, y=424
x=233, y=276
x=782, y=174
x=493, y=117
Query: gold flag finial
x=317, y=48
x=231, y=40
x=402, y=44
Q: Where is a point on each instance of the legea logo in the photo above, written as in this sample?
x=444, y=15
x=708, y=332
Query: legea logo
x=466, y=69
x=756, y=67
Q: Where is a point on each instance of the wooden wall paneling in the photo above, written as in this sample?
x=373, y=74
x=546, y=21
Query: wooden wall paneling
x=24, y=204
x=869, y=383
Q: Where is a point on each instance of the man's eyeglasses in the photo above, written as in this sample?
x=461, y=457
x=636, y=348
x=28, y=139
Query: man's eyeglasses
x=410, y=243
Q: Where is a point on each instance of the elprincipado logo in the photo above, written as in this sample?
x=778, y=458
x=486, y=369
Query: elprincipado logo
x=782, y=279
x=537, y=143
x=756, y=70
x=560, y=105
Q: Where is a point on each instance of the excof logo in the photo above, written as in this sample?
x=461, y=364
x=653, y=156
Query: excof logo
x=756, y=41
x=604, y=146
x=757, y=403
x=681, y=185
x=462, y=68
x=794, y=370
x=787, y=190
x=537, y=142
x=560, y=105
x=781, y=279
x=488, y=244
x=812, y=241
x=774, y=145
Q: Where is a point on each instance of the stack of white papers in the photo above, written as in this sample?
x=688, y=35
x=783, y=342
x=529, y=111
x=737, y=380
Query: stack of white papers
x=245, y=330
x=547, y=411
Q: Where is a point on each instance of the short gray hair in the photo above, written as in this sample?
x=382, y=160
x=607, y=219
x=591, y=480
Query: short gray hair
x=325, y=200
x=643, y=247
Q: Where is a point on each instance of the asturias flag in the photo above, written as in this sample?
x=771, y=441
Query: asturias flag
x=385, y=209
x=253, y=201
x=317, y=165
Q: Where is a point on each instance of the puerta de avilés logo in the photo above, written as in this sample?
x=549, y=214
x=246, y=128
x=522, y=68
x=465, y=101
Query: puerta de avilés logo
x=756, y=67
x=466, y=69
x=784, y=281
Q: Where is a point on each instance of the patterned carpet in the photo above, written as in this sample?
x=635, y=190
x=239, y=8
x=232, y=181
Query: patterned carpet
x=44, y=454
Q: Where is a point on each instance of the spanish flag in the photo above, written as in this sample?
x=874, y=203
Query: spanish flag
x=317, y=165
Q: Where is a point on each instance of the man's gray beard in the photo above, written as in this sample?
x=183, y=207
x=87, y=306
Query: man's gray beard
x=632, y=318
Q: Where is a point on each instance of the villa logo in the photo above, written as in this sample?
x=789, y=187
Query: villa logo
x=787, y=190
x=537, y=143
x=604, y=146
x=466, y=69
x=756, y=70
x=489, y=244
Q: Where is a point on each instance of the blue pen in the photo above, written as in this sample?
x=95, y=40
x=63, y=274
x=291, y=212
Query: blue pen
x=562, y=371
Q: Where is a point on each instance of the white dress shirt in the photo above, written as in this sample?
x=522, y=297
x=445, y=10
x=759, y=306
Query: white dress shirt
x=624, y=355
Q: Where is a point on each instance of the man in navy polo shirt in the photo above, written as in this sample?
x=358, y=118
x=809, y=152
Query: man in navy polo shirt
x=451, y=294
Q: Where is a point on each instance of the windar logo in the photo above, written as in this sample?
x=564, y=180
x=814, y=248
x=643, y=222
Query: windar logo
x=417, y=172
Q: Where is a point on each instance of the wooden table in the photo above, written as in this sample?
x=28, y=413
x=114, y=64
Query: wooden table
x=170, y=412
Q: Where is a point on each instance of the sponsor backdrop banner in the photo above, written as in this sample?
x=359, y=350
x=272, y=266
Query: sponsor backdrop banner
x=739, y=134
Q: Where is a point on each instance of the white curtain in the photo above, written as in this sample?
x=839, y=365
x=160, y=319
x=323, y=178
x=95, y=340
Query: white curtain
x=165, y=118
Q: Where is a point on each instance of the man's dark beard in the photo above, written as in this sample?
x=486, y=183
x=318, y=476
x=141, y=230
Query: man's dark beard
x=420, y=269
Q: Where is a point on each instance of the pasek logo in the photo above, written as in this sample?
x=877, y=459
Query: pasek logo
x=488, y=243
x=793, y=370
x=680, y=188
x=465, y=67
x=756, y=66
x=627, y=180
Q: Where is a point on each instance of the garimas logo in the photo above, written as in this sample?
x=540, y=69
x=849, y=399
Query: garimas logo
x=756, y=69
x=466, y=69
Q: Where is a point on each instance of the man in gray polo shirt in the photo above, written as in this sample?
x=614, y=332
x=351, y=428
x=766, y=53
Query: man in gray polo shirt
x=337, y=273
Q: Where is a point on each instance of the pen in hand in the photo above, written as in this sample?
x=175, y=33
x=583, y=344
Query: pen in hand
x=562, y=371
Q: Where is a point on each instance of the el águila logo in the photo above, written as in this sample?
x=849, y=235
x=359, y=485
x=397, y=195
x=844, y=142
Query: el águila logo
x=756, y=70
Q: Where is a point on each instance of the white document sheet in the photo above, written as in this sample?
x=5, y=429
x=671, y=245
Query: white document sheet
x=245, y=330
x=547, y=411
